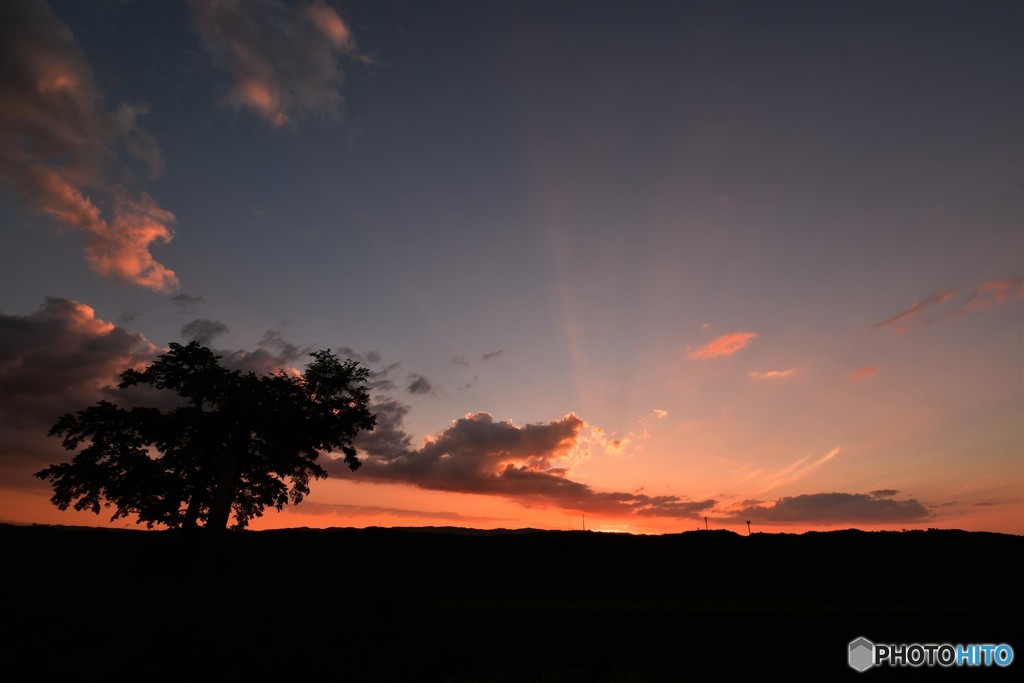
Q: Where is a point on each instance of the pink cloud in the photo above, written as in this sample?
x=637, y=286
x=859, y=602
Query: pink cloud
x=58, y=141
x=331, y=25
x=726, y=345
x=772, y=374
x=992, y=293
x=262, y=96
x=863, y=372
x=282, y=58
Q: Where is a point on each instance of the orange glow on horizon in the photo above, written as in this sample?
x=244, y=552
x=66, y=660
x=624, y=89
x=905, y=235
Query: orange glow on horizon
x=367, y=505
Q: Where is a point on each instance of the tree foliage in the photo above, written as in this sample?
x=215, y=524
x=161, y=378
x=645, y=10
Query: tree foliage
x=234, y=443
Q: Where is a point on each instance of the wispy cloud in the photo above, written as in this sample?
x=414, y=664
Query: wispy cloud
x=973, y=484
x=903, y=317
x=832, y=508
x=864, y=372
x=203, y=330
x=61, y=147
x=282, y=58
x=772, y=374
x=726, y=345
x=365, y=357
x=418, y=384
x=985, y=296
x=187, y=303
x=459, y=360
x=491, y=355
x=798, y=469
x=660, y=413
x=286, y=350
x=988, y=295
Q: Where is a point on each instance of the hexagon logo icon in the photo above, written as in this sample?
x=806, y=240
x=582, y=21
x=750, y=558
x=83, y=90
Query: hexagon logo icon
x=862, y=654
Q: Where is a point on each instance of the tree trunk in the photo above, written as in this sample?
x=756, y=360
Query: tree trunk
x=195, y=501
x=192, y=512
x=224, y=495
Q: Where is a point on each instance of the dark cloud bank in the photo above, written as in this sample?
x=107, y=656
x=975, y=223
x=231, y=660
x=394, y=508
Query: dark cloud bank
x=478, y=454
x=877, y=507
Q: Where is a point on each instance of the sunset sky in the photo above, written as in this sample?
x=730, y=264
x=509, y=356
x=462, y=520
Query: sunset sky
x=643, y=262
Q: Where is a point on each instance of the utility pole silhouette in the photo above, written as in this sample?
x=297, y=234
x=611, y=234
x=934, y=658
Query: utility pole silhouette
x=705, y=524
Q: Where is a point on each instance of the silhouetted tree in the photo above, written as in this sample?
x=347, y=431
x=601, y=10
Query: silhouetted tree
x=748, y=527
x=237, y=442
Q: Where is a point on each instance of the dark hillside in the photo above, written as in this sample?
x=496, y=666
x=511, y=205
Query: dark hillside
x=404, y=605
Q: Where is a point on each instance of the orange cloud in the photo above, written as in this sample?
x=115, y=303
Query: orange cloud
x=863, y=372
x=77, y=317
x=772, y=374
x=122, y=251
x=726, y=345
x=118, y=248
x=57, y=140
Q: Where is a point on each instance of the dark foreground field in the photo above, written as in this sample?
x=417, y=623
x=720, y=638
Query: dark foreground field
x=418, y=605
